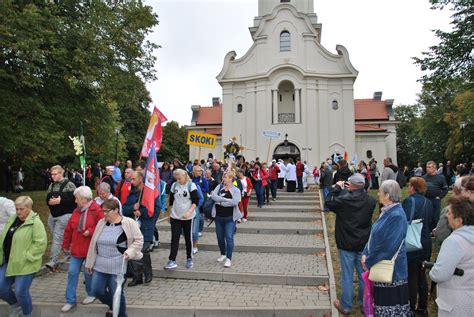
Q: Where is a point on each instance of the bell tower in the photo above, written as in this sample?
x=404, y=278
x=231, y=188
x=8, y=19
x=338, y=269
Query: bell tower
x=267, y=6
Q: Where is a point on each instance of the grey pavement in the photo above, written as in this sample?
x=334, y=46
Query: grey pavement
x=278, y=267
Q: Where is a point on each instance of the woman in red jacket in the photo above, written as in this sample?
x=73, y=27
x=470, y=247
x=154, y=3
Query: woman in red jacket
x=77, y=237
x=246, y=192
x=260, y=176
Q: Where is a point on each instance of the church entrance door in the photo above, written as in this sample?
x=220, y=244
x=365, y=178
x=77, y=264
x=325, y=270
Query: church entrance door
x=286, y=151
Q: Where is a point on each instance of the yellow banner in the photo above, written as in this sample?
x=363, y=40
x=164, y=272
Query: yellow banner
x=201, y=139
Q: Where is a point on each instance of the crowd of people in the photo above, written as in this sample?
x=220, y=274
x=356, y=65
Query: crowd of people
x=112, y=235
x=389, y=242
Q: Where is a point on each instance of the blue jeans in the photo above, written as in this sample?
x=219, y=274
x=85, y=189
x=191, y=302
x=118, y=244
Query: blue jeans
x=225, y=229
x=21, y=295
x=260, y=192
x=72, y=278
x=436, y=208
x=273, y=188
x=197, y=221
x=103, y=287
x=350, y=261
x=325, y=196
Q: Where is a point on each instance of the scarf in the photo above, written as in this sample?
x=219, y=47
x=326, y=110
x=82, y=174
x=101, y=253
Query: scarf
x=83, y=219
x=387, y=208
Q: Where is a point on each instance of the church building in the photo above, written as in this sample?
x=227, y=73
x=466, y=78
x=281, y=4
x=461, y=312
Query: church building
x=288, y=84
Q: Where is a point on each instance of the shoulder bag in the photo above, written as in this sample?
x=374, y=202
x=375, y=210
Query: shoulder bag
x=382, y=271
x=413, y=237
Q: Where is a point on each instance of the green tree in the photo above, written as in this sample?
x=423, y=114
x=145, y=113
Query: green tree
x=407, y=134
x=70, y=62
x=451, y=59
x=174, y=143
x=447, y=85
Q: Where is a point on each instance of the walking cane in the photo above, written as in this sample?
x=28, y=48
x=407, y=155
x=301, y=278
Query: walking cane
x=118, y=290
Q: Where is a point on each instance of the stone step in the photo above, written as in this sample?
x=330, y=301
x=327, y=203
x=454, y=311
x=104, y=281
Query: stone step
x=264, y=227
x=260, y=243
x=280, y=216
x=292, y=197
x=247, y=267
x=185, y=298
x=287, y=209
x=305, y=193
x=281, y=202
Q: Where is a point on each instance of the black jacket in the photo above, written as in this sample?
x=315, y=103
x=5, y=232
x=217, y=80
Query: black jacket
x=342, y=174
x=354, y=211
x=325, y=178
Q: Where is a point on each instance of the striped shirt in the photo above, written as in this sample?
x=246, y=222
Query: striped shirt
x=111, y=245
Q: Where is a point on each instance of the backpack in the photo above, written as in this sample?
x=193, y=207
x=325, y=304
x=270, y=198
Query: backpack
x=209, y=204
x=200, y=195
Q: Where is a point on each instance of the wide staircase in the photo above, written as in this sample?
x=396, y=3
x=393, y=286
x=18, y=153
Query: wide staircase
x=280, y=267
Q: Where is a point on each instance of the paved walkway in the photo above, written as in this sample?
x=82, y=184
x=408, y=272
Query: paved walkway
x=279, y=268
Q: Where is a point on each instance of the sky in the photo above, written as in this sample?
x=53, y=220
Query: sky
x=381, y=36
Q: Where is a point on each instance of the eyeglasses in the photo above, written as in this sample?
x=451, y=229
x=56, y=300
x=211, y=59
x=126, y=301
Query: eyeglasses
x=106, y=211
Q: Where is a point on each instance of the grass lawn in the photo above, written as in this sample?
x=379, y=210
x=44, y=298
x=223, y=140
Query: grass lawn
x=330, y=221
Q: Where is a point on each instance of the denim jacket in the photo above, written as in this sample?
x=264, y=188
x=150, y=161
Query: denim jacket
x=387, y=234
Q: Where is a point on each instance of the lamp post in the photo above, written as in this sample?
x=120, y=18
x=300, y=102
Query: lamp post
x=462, y=125
x=286, y=139
x=117, y=131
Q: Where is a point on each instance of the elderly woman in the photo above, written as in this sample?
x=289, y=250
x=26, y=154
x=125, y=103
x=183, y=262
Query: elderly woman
x=226, y=212
x=184, y=199
x=386, y=242
x=77, y=237
x=116, y=240
x=22, y=245
x=416, y=207
x=103, y=194
x=456, y=293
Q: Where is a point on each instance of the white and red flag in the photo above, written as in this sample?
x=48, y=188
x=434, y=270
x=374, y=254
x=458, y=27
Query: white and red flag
x=154, y=133
x=151, y=188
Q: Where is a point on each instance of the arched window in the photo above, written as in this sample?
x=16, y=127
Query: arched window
x=285, y=41
x=286, y=104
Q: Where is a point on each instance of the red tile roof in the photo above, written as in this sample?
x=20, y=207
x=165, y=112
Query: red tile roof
x=209, y=115
x=364, y=109
x=370, y=109
x=368, y=128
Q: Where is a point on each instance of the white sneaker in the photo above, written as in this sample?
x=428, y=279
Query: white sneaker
x=200, y=234
x=227, y=263
x=244, y=219
x=88, y=300
x=195, y=250
x=16, y=311
x=67, y=308
x=221, y=258
x=239, y=221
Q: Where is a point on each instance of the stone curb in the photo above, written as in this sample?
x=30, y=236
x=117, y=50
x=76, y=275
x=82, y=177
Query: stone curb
x=332, y=281
x=98, y=310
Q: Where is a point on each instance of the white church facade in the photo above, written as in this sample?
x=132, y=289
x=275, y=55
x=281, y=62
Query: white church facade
x=287, y=82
